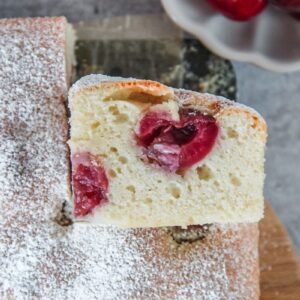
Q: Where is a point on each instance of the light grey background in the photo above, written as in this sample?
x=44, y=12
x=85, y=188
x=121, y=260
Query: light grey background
x=275, y=96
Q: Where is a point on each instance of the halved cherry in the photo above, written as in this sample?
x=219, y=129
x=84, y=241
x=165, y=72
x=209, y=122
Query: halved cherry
x=165, y=155
x=195, y=150
x=150, y=125
x=174, y=144
x=90, y=183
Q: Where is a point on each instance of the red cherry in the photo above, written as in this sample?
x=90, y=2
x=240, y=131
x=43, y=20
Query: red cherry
x=166, y=155
x=239, y=10
x=195, y=150
x=90, y=184
x=177, y=145
x=149, y=126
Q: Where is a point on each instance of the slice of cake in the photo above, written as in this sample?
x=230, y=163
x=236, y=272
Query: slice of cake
x=146, y=155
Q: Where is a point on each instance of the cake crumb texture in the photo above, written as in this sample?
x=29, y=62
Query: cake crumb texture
x=225, y=186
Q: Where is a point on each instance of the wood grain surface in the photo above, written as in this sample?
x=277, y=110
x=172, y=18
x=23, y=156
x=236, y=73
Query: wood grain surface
x=280, y=266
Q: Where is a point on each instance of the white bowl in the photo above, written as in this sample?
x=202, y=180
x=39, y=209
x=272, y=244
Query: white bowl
x=271, y=40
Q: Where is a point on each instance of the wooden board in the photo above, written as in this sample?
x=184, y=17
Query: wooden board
x=280, y=266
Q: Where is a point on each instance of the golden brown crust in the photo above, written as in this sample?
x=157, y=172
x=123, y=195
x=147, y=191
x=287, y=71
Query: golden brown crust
x=133, y=89
x=219, y=107
x=204, y=102
x=127, y=87
x=256, y=121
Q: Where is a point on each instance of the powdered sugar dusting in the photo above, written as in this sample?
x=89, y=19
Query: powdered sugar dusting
x=33, y=164
x=95, y=262
x=40, y=259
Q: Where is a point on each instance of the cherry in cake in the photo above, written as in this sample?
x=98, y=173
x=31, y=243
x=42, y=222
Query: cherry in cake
x=177, y=145
x=146, y=155
x=90, y=183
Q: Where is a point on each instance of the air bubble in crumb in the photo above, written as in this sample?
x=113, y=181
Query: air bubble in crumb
x=114, y=110
x=232, y=133
x=131, y=188
x=148, y=201
x=123, y=160
x=204, y=173
x=121, y=118
x=112, y=173
x=234, y=180
x=113, y=150
x=95, y=125
x=216, y=183
x=174, y=191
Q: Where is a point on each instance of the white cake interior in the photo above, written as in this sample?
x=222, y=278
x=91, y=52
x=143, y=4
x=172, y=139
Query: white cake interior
x=227, y=186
